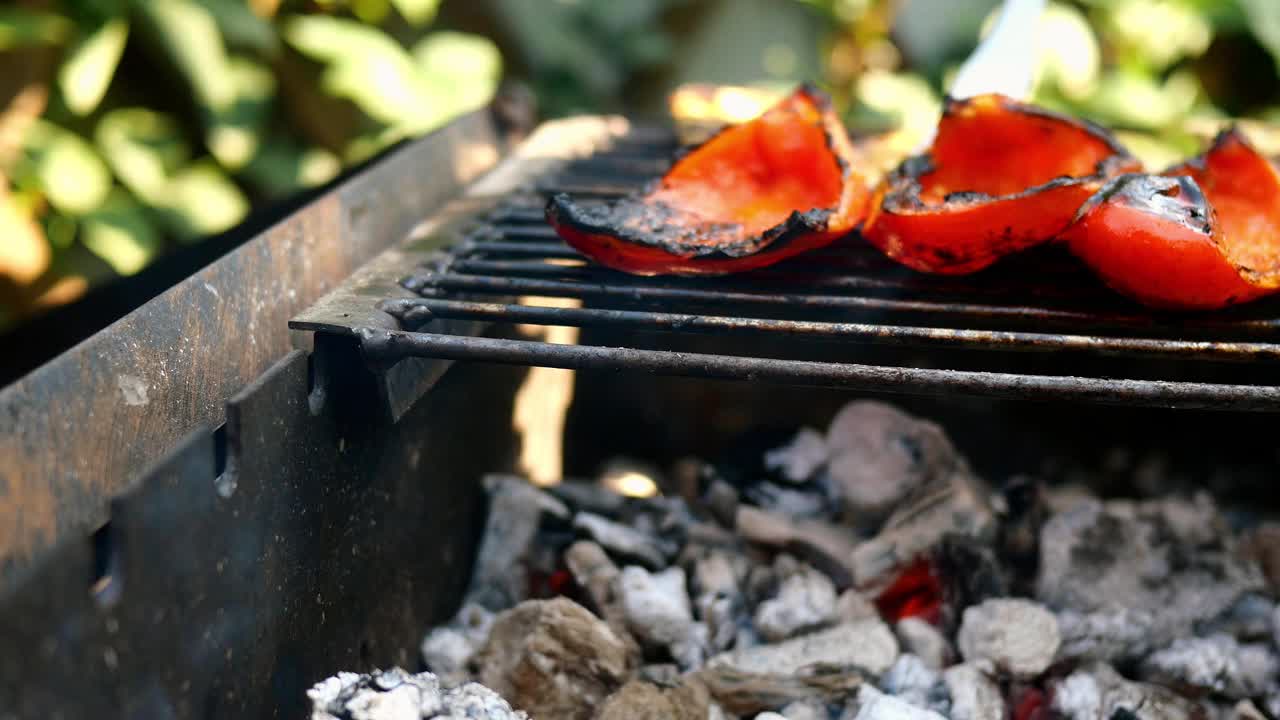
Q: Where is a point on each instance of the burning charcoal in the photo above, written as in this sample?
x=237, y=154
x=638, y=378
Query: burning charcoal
x=925, y=641
x=955, y=505
x=879, y=454
x=974, y=696
x=1217, y=664
x=875, y=705
x=1018, y=636
x=639, y=700
x=500, y=578
x=622, y=540
x=799, y=459
x=1108, y=636
x=1098, y=691
x=657, y=611
x=913, y=681
x=1143, y=557
x=396, y=695
x=748, y=693
x=448, y=649
x=553, y=658
x=867, y=645
x=805, y=600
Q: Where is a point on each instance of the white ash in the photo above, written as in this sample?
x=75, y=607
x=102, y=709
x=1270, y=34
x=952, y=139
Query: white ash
x=799, y=459
x=879, y=454
x=1142, y=556
x=806, y=600
x=875, y=705
x=448, y=649
x=622, y=539
x=500, y=577
x=1018, y=636
x=915, y=682
x=922, y=640
x=804, y=710
x=1098, y=691
x=1110, y=636
x=396, y=695
x=1272, y=703
x=867, y=644
x=1246, y=710
x=1218, y=663
x=657, y=610
x=770, y=715
x=955, y=505
x=1249, y=618
x=974, y=695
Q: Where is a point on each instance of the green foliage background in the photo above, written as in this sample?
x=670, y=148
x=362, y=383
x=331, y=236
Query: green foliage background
x=130, y=127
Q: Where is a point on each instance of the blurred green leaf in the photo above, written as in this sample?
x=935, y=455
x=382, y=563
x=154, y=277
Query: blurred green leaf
x=70, y=173
x=904, y=99
x=143, y=148
x=463, y=70
x=234, y=135
x=1157, y=33
x=1133, y=100
x=417, y=12
x=1264, y=22
x=281, y=167
x=365, y=66
x=201, y=200
x=19, y=27
x=121, y=233
x=88, y=68
x=242, y=28
x=189, y=35
x=1070, y=58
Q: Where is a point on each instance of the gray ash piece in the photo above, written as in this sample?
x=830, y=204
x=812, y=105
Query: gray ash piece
x=861, y=572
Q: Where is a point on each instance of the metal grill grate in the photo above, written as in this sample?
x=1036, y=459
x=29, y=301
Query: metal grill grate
x=1036, y=327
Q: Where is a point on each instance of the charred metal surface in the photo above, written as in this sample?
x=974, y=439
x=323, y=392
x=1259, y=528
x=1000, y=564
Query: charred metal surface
x=236, y=574
x=79, y=428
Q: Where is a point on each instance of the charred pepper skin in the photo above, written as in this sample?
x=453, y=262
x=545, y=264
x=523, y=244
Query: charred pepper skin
x=1000, y=177
x=754, y=194
x=1202, y=236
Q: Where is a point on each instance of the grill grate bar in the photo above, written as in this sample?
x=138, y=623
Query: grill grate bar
x=860, y=332
x=392, y=345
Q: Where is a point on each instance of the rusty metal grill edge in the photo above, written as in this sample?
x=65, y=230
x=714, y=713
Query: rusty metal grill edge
x=1038, y=304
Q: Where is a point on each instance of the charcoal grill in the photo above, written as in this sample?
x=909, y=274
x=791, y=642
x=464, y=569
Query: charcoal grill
x=293, y=504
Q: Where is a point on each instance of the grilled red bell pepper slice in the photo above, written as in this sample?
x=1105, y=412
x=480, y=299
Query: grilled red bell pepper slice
x=755, y=193
x=1000, y=176
x=1202, y=236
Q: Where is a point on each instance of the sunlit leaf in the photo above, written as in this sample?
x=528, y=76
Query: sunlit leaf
x=121, y=233
x=24, y=253
x=87, y=71
x=907, y=99
x=417, y=12
x=190, y=36
x=1133, y=100
x=68, y=169
x=1264, y=21
x=143, y=148
x=1158, y=33
x=1069, y=56
x=201, y=200
x=365, y=66
x=463, y=69
x=19, y=27
x=234, y=135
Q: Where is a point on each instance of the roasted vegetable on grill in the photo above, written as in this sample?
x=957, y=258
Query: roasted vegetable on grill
x=1204, y=235
x=1000, y=176
x=783, y=183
